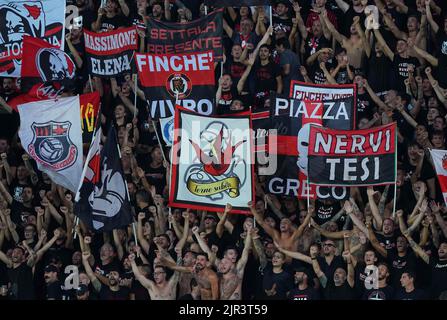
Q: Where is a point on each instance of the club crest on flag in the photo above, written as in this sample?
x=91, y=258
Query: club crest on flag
x=54, y=65
x=215, y=173
x=179, y=83
x=167, y=130
x=51, y=145
x=444, y=162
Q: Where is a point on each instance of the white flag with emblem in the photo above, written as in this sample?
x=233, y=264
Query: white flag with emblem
x=50, y=132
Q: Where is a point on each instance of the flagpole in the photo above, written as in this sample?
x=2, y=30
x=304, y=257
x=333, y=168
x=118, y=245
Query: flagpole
x=395, y=175
x=74, y=228
x=308, y=195
x=271, y=16
x=206, y=10
x=135, y=93
x=90, y=81
x=135, y=233
x=158, y=139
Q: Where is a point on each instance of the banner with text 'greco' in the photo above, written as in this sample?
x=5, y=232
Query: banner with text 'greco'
x=292, y=118
x=236, y=3
x=110, y=54
x=40, y=19
x=352, y=158
x=212, y=162
x=177, y=38
x=186, y=78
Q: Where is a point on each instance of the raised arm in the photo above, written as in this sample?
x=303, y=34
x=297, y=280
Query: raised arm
x=222, y=220
x=294, y=254
x=145, y=282
x=299, y=231
x=337, y=35
x=124, y=8
x=140, y=235
x=442, y=224
x=342, y=5
x=427, y=56
x=366, y=45
x=386, y=49
x=416, y=248
x=434, y=26
x=394, y=29
x=4, y=193
x=7, y=168
x=240, y=266
x=374, y=209
x=374, y=242
x=88, y=269
x=273, y=233
x=316, y=266
x=400, y=6
x=118, y=244
x=351, y=274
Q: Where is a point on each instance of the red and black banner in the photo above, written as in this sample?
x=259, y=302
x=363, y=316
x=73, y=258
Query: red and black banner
x=292, y=118
x=39, y=19
x=177, y=38
x=46, y=70
x=261, y=123
x=110, y=54
x=89, y=104
x=319, y=92
x=352, y=158
x=186, y=78
x=236, y=3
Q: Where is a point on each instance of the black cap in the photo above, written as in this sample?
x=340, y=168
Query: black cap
x=284, y=2
x=82, y=289
x=306, y=271
x=210, y=216
x=51, y=268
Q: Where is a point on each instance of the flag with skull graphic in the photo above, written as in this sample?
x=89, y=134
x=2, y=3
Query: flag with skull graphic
x=212, y=162
x=40, y=19
x=102, y=201
x=46, y=70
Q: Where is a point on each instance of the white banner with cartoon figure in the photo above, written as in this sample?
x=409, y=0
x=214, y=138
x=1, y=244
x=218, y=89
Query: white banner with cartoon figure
x=40, y=19
x=212, y=162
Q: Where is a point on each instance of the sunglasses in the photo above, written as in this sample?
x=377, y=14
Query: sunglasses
x=328, y=245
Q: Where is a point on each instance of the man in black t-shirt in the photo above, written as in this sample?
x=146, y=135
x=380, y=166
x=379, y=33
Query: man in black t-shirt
x=281, y=18
x=53, y=290
x=267, y=77
x=401, y=64
x=108, y=18
x=383, y=291
x=112, y=291
x=304, y=289
x=409, y=291
x=277, y=282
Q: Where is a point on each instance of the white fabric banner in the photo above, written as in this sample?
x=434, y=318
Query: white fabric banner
x=167, y=129
x=214, y=166
x=439, y=158
x=50, y=132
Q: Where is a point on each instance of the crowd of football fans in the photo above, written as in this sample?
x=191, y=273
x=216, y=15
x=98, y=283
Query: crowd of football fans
x=395, y=51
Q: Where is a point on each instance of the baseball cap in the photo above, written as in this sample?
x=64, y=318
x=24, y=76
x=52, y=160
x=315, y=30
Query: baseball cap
x=51, y=268
x=210, y=216
x=305, y=271
x=82, y=289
